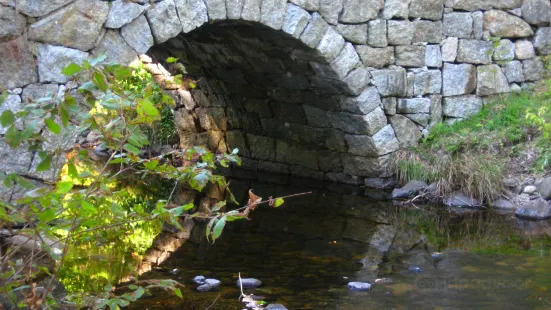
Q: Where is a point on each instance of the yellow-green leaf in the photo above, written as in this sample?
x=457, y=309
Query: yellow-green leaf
x=64, y=187
x=278, y=202
x=7, y=118
x=71, y=69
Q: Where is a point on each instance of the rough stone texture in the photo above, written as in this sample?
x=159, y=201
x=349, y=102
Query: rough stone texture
x=414, y=105
x=537, y=12
x=389, y=105
x=435, y=110
x=524, y=50
x=77, y=25
x=296, y=155
x=478, y=25
x=37, y=8
x=513, y=71
x=535, y=210
x=367, y=167
x=52, y=59
x=461, y=106
x=331, y=44
x=542, y=40
x=115, y=48
x=314, y=31
x=122, y=13
x=406, y=131
x=164, y=21
x=427, y=82
x=459, y=200
x=376, y=57
x=390, y=82
x=261, y=147
x=473, y=5
x=410, y=56
x=426, y=31
x=295, y=20
x=411, y=189
x=14, y=160
x=491, y=80
x=233, y=9
x=12, y=24
x=400, y=32
x=376, y=33
x=381, y=143
x=545, y=188
x=433, y=56
x=426, y=9
x=138, y=35
x=504, y=25
x=359, y=124
x=396, y=9
x=330, y=10
x=17, y=66
x=475, y=52
x=533, y=69
x=251, y=10
x=359, y=11
x=364, y=103
x=192, y=14
x=458, y=79
x=357, y=79
x=216, y=9
x=505, y=50
x=449, y=49
x=353, y=33
x=272, y=13
x=458, y=24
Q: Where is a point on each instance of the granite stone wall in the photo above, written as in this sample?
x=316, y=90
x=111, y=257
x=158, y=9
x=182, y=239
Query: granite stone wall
x=325, y=89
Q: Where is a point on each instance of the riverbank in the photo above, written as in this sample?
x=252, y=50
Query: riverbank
x=501, y=154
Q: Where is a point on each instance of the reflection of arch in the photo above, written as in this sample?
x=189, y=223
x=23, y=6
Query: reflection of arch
x=278, y=83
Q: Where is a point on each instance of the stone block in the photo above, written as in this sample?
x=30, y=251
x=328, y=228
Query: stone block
x=426, y=9
x=383, y=142
x=363, y=104
x=435, y=110
x=335, y=141
x=113, y=46
x=357, y=80
x=330, y=10
x=261, y=147
x=396, y=9
x=358, y=124
x=192, y=13
x=478, y=25
x=461, y=106
x=330, y=45
x=449, y=49
x=164, y=21
x=234, y=8
x=427, y=82
x=410, y=55
x=310, y=5
x=251, y=10
x=389, y=105
x=21, y=68
x=458, y=24
x=433, y=56
x=524, y=50
x=458, y=79
x=359, y=11
x=533, y=69
x=504, y=25
x=390, y=82
x=513, y=71
x=295, y=20
x=473, y=5
x=505, y=50
x=536, y=12
x=138, y=35
x=314, y=31
x=376, y=33
x=12, y=24
x=400, y=32
x=316, y=117
x=122, y=13
x=366, y=166
x=353, y=33
x=542, y=40
x=345, y=61
x=272, y=13
x=288, y=112
x=304, y=134
x=329, y=161
x=413, y=105
x=52, y=59
x=426, y=31
x=475, y=51
x=37, y=8
x=376, y=57
x=212, y=118
x=289, y=153
x=491, y=80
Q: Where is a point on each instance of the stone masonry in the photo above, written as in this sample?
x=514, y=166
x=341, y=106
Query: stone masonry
x=321, y=89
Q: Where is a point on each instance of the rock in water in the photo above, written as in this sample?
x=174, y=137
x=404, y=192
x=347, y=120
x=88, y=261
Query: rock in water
x=538, y=209
x=415, y=269
x=208, y=284
x=411, y=189
x=460, y=200
x=249, y=283
x=276, y=307
x=199, y=279
x=359, y=286
x=545, y=188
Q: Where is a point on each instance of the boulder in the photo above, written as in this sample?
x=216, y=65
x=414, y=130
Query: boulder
x=458, y=79
x=542, y=40
x=533, y=69
x=504, y=25
x=248, y=283
x=72, y=26
x=461, y=106
x=122, y=13
x=406, y=131
x=503, y=204
x=545, y=188
x=275, y=307
x=475, y=51
x=536, y=12
x=459, y=200
x=359, y=286
x=538, y=209
x=52, y=59
x=411, y=189
x=524, y=49
x=491, y=80
x=21, y=68
x=12, y=24
x=199, y=279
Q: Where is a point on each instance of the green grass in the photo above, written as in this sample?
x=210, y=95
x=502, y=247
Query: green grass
x=472, y=155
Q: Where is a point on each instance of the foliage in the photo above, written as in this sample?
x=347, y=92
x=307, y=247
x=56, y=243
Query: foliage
x=471, y=155
x=91, y=206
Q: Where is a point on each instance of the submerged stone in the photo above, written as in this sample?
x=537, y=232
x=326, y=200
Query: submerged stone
x=249, y=283
x=359, y=286
x=538, y=209
x=411, y=189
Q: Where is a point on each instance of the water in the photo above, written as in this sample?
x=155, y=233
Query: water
x=306, y=251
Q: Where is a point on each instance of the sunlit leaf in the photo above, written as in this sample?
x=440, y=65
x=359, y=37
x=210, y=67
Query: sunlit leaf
x=72, y=170
x=132, y=149
x=71, y=69
x=178, y=293
x=99, y=81
x=88, y=207
x=171, y=60
x=7, y=118
x=45, y=164
x=217, y=230
x=219, y=206
x=64, y=187
x=278, y=202
x=146, y=107
x=53, y=126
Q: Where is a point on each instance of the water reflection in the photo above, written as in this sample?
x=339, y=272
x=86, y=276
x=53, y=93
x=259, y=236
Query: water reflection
x=306, y=251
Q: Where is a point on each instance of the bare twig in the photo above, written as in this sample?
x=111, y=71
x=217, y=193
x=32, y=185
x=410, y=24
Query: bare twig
x=207, y=308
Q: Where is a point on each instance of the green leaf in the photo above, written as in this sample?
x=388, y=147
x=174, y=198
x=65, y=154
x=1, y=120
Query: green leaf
x=146, y=107
x=178, y=293
x=189, y=206
x=3, y=97
x=23, y=182
x=151, y=164
x=64, y=114
x=132, y=149
x=171, y=60
x=45, y=164
x=139, y=292
x=278, y=202
x=71, y=69
x=46, y=215
x=209, y=226
x=64, y=187
x=72, y=170
x=7, y=118
x=100, y=58
x=53, y=126
x=219, y=206
x=217, y=230
x=99, y=81
x=88, y=207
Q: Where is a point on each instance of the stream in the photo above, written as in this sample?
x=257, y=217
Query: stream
x=306, y=251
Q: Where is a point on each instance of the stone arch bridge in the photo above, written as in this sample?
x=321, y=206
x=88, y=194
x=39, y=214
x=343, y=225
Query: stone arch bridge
x=326, y=89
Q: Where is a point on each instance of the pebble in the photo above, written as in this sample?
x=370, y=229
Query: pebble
x=249, y=283
x=415, y=269
x=199, y=279
x=530, y=189
x=359, y=286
